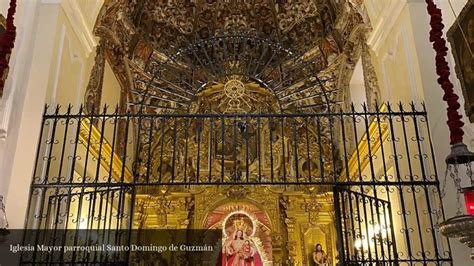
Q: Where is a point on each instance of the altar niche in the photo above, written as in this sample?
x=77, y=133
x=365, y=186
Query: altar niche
x=269, y=224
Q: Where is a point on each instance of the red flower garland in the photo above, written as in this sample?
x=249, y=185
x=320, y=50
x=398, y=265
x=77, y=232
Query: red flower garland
x=442, y=69
x=7, y=41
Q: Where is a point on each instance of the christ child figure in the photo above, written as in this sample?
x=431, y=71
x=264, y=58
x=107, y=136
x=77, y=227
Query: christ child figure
x=248, y=252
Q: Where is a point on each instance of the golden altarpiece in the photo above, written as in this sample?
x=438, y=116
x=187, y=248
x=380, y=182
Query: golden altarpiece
x=327, y=37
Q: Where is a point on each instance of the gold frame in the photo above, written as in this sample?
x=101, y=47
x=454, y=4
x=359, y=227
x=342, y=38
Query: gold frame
x=451, y=34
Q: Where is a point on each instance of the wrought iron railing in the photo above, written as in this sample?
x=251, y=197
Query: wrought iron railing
x=93, y=171
x=328, y=148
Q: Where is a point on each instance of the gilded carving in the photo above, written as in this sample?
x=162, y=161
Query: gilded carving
x=240, y=57
x=319, y=28
x=370, y=79
x=93, y=94
x=312, y=207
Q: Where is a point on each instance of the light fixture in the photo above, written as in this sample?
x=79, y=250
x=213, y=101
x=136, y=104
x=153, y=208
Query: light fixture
x=469, y=200
x=461, y=158
x=375, y=233
x=460, y=226
x=361, y=243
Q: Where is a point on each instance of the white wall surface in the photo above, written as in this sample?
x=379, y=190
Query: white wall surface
x=405, y=64
x=51, y=63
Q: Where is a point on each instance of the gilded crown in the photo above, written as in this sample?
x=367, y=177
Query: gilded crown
x=240, y=225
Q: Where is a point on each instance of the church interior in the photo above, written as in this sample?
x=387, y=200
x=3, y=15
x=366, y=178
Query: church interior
x=304, y=132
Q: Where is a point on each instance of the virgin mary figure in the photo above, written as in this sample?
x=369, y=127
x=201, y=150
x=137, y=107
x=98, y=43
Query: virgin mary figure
x=239, y=250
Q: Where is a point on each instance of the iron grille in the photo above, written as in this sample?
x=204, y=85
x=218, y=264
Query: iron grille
x=380, y=167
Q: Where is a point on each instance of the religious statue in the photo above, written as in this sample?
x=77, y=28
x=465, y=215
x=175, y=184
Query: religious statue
x=319, y=256
x=239, y=249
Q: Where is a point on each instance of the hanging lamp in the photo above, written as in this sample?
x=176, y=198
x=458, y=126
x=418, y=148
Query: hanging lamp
x=462, y=225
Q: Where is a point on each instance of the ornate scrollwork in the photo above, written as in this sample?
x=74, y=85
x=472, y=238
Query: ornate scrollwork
x=93, y=94
x=370, y=79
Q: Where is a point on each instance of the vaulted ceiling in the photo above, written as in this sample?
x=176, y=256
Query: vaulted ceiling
x=231, y=56
x=296, y=25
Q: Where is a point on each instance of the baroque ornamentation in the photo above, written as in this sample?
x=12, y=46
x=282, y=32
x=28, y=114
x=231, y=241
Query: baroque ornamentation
x=145, y=31
x=370, y=79
x=294, y=13
x=312, y=207
x=93, y=94
x=241, y=57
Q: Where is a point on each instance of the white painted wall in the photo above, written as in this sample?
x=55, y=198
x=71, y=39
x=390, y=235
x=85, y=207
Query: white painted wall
x=357, y=87
x=433, y=97
x=51, y=63
x=404, y=60
x=22, y=105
